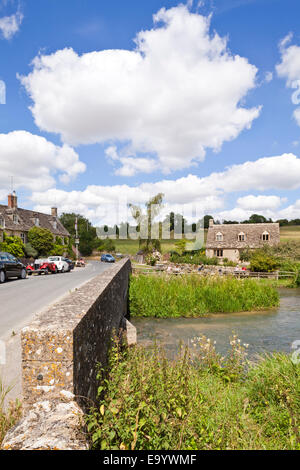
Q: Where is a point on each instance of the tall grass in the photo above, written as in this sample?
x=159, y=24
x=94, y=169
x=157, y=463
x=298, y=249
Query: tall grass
x=10, y=415
x=194, y=296
x=200, y=401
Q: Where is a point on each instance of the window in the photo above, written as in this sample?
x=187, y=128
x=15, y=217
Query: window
x=23, y=237
x=242, y=237
x=219, y=253
x=219, y=237
x=37, y=222
x=2, y=222
x=265, y=236
x=54, y=224
x=15, y=219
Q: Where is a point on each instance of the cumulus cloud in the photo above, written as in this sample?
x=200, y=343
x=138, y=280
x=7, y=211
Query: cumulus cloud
x=289, y=69
x=10, y=25
x=108, y=204
x=176, y=95
x=34, y=161
x=254, y=203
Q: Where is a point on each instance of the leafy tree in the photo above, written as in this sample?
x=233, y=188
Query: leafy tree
x=261, y=262
x=41, y=239
x=86, y=232
x=257, y=219
x=12, y=245
x=105, y=245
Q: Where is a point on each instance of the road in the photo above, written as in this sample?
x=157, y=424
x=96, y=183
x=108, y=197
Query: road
x=21, y=300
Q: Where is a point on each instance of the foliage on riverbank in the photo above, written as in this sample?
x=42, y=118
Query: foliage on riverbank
x=10, y=415
x=194, y=296
x=199, y=401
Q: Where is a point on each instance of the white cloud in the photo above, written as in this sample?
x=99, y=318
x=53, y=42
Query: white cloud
x=205, y=195
x=254, y=203
x=34, y=161
x=10, y=25
x=289, y=68
x=177, y=94
x=268, y=77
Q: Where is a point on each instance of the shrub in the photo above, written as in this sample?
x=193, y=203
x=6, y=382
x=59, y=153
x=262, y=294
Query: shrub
x=12, y=245
x=263, y=263
x=194, y=295
x=30, y=251
x=193, y=258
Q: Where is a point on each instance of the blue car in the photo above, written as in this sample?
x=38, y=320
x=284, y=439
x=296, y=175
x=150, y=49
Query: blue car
x=107, y=258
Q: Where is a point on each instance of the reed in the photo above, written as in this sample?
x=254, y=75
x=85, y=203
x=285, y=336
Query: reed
x=166, y=296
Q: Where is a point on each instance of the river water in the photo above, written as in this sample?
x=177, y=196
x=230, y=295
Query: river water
x=264, y=331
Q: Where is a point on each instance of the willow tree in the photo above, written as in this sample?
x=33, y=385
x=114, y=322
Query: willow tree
x=145, y=220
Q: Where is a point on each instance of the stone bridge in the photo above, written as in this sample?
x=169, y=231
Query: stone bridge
x=61, y=350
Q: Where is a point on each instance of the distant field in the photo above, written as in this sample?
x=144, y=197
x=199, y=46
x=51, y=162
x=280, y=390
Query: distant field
x=290, y=233
x=131, y=247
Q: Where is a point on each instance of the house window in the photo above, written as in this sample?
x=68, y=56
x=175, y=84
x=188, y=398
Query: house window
x=219, y=253
x=265, y=236
x=23, y=237
x=37, y=222
x=219, y=237
x=2, y=222
x=242, y=237
x=15, y=219
x=55, y=225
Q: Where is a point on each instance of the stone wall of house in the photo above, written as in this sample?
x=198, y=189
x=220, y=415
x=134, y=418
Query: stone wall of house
x=61, y=350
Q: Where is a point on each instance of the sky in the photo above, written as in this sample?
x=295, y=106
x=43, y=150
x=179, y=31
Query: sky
x=108, y=103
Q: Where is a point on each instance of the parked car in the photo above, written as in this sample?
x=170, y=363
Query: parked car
x=41, y=266
x=10, y=267
x=70, y=263
x=107, y=258
x=80, y=263
x=61, y=264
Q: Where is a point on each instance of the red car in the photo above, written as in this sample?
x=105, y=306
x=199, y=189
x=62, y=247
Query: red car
x=41, y=267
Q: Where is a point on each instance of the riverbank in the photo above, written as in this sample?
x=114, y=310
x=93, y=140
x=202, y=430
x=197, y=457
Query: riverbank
x=200, y=401
x=166, y=296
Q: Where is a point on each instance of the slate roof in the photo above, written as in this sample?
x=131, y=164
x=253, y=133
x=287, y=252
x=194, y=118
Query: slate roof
x=253, y=235
x=26, y=221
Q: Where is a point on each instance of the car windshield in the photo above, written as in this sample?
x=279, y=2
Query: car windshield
x=54, y=258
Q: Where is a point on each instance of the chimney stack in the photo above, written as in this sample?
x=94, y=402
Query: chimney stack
x=54, y=211
x=211, y=222
x=12, y=200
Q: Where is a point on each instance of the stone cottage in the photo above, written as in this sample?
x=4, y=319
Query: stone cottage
x=18, y=222
x=227, y=240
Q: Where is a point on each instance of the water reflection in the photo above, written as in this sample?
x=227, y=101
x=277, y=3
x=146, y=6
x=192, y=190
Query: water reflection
x=265, y=331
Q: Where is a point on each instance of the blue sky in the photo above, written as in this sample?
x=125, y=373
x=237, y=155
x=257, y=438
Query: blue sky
x=86, y=128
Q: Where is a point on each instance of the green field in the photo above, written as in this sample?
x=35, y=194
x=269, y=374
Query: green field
x=290, y=233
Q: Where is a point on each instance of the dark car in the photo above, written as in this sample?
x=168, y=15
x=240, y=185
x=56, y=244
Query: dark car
x=70, y=263
x=106, y=258
x=10, y=267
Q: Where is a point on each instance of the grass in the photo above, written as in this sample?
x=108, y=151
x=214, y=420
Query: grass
x=198, y=402
x=165, y=296
x=10, y=415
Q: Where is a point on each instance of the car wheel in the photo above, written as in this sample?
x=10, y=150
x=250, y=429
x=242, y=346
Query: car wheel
x=23, y=274
x=63, y=269
x=2, y=277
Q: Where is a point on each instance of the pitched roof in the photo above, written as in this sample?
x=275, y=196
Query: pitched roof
x=26, y=221
x=253, y=235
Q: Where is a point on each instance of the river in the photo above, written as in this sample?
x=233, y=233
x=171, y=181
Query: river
x=264, y=331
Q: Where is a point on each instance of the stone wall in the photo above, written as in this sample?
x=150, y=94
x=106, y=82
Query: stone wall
x=61, y=349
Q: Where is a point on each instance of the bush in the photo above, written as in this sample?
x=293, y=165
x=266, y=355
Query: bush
x=105, y=245
x=41, y=239
x=196, y=258
x=30, y=252
x=200, y=401
x=194, y=295
x=263, y=263
x=12, y=245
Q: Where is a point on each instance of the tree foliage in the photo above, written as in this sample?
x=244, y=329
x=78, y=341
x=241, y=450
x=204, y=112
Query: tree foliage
x=12, y=245
x=41, y=239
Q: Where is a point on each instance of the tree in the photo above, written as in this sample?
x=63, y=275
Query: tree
x=206, y=220
x=41, y=239
x=86, y=232
x=257, y=219
x=30, y=251
x=261, y=262
x=146, y=220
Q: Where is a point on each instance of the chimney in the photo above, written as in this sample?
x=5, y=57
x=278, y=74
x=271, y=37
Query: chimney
x=12, y=200
x=211, y=222
x=54, y=211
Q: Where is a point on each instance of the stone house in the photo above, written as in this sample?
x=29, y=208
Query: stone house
x=18, y=222
x=227, y=240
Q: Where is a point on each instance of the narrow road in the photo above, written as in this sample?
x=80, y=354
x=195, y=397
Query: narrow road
x=20, y=301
